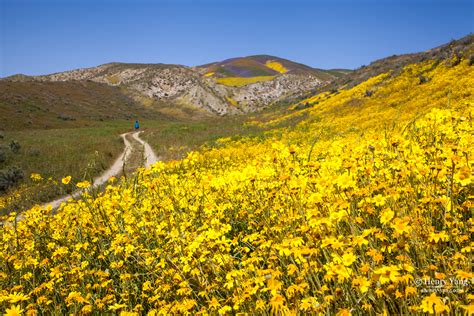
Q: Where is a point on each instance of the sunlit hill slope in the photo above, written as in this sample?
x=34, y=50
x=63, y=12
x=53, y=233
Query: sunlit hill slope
x=344, y=207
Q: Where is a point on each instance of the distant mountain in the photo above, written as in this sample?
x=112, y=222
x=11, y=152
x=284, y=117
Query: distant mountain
x=251, y=84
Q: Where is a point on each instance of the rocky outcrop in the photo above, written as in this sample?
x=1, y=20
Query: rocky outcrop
x=254, y=96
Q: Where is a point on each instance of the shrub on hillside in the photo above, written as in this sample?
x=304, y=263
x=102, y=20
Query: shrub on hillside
x=3, y=154
x=10, y=177
x=423, y=79
x=15, y=146
x=66, y=117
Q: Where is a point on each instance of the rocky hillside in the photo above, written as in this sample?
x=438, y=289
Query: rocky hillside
x=158, y=84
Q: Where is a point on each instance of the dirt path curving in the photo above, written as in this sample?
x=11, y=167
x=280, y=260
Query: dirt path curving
x=132, y=148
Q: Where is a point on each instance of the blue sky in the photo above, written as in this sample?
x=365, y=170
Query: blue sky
x=46, y=36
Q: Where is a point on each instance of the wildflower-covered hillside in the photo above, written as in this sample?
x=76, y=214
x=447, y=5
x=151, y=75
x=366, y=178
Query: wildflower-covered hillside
x=362, y=207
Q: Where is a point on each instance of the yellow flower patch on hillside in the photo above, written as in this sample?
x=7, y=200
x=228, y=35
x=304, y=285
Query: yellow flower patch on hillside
x=242, y=81
x=276, y=66
x=231, y=101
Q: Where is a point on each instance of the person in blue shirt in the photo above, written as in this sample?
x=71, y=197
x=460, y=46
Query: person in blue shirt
x=137, y=125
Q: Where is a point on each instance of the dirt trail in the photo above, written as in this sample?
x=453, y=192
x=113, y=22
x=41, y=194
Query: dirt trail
x=117, y=167
x=150, y=156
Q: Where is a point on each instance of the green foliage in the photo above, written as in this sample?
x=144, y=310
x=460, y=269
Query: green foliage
x=10, y=177
x=3, y=154
x=15, y=146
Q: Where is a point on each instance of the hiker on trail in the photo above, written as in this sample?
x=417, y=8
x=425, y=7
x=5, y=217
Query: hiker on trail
x=137, y=126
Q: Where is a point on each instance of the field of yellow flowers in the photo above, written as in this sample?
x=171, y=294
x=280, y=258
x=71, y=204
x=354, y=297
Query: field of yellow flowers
x=242, y=81
x=364, y=207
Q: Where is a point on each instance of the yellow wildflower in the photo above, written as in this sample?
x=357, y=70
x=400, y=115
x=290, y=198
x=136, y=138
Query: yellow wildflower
x=433, y=305
x=83, y=184
x=66, y=180
x=36, y=177
x=14, y=310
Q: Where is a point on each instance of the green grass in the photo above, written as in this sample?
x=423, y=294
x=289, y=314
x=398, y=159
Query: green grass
x=55, y=153
x=85, y=152
x=173, y=140
x=135, y=158
x=49, y=105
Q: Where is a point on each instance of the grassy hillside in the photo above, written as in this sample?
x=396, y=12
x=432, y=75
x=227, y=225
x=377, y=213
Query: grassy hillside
x=339, y=72
x=56, y=153
x=353, y=210
x=43, y=105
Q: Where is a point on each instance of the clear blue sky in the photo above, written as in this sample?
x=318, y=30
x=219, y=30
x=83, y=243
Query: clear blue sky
x=45, y=36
